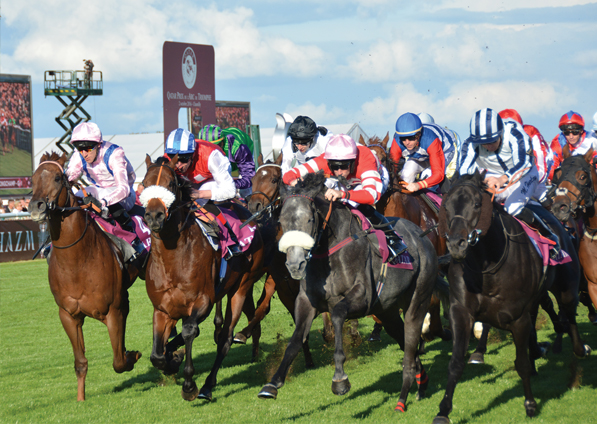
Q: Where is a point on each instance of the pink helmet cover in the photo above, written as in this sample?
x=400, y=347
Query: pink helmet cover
x=87, y=131
x=341, y=147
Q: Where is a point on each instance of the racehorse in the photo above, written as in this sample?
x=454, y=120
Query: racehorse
x=341, y=273
x=85, y=269
x=183, y=276
x=496, y=276
x=398, y=202
x=575, y=196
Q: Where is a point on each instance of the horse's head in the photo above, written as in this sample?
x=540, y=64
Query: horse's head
x=50, y=186
x=266, y=186
x=300, y=221
x=160, y=192
x=574, y=186
x=378, y=147
x=465, y=214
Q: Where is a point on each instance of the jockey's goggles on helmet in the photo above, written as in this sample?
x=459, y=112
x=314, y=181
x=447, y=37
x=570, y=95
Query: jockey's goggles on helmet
x=410, y=137
x=85, y=146
x=302, y=141
x=185, y=158
x=336, y=165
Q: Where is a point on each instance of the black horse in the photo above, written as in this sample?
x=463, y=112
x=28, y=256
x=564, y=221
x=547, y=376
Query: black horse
x=351, y=282
x=496, y=276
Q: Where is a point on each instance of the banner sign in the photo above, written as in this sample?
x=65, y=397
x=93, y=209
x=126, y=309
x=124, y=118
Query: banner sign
x=19, y=240
x=188, y=82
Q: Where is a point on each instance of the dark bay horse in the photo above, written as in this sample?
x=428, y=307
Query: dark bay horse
x=401, y=203
x=351, y=282
x=575, y=197
x=496, y=276
x=183, y=276
x=85, y=269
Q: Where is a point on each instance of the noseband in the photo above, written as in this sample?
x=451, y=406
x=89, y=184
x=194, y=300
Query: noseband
x=156, y=191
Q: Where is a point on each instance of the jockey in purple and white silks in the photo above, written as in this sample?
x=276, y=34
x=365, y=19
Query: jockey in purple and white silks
x=103, y=166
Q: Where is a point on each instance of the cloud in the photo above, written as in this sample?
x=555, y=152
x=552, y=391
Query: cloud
x=531, y=99
x=321, y=114
x=503, y=5
x=125, y=39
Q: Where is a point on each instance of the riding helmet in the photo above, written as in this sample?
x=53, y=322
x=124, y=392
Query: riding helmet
x=486, y=127
x=180, y=141
x=87, y=132
x=511, y=114
x=408, y=124
x=571, y=121
x=341, y=147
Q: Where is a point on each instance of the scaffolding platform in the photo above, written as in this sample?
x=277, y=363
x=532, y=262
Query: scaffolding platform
x=73, y=83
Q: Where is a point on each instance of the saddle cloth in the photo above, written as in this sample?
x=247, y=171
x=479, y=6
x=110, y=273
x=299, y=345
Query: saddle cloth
x=115, y=229
x=543, y=245
x=245, y=235
x=403, y=261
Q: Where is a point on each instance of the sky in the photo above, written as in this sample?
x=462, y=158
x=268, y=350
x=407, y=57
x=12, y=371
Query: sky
x=337, y=61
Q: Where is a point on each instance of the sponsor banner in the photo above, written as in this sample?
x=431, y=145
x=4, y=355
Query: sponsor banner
x=19, y=240
x=9, y=183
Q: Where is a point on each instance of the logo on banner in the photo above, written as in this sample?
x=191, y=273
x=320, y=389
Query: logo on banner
x=189, y=67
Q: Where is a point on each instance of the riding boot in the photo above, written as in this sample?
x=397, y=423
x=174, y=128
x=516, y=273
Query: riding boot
x=395, y=244
x=121, y=216
x=529, y=217
x=235, y=249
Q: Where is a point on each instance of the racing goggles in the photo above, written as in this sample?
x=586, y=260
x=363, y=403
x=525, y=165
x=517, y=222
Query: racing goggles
x=185, y=158
x=336, y=165
x=573, y=132
x=302, y=141
x=85, y=146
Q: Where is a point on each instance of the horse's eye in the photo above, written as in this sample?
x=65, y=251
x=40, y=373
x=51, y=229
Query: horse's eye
x=276, y=180
x=477, y=205
x=583, y=177
x=57, y=178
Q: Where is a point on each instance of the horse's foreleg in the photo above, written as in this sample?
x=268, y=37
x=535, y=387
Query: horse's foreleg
x=161, y=357
x=521, y=332
x=116, y=323
x=461, y=323
x=74, y=331
x=304, y=313
x=218, y=321
x=190, y=330
x=234, y=309
x=353, y=303
x=478, y=356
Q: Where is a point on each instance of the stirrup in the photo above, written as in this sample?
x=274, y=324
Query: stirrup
x=233, y=250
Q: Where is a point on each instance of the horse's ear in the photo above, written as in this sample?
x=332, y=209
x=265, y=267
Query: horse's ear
x=385, y=140
x=486, y=214
x=566, y=151
x=278, y=160
x=148, y=161
x=62, y=160
x=589, y=156
x=173, y=161
x=260, y=159
x=362, y=140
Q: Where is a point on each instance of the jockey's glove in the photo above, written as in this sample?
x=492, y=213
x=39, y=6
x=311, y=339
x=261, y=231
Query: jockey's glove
x=96, y=205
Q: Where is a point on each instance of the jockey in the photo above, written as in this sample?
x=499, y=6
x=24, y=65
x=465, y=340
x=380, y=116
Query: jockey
x=503, y=149
x=208, y=169
x=358, y=165
x=573, y=135
x=305, y=141
x=542, y=151
x=108, y=172
x=238, y=154
x=428, y=150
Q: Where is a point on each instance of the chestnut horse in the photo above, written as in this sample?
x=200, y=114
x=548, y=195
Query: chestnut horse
x=403, y=204
x=183, y=276
x=85, y=269
x=575, y=196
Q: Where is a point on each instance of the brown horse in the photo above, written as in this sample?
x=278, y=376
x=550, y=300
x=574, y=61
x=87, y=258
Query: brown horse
x=576, y=197
x=79, y=246
x=183, y=276
x=411, y=206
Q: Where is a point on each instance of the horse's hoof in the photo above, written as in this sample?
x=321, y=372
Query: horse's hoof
x=421, y=394
x=588, y=351
x=205, y=394
x=269, y=391
x=477, y=358
x=374, y=337
x=447, y=335
x=192, y=395
x=341, y=387
x=239, y=338
x=593, y=319
x=400, y=407
x=530, y=407
x=441, y=420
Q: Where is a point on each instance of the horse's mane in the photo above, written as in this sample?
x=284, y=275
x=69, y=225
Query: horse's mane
x=50, y=156
x=311, y=185
x=184, y=184
x=477, y=179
